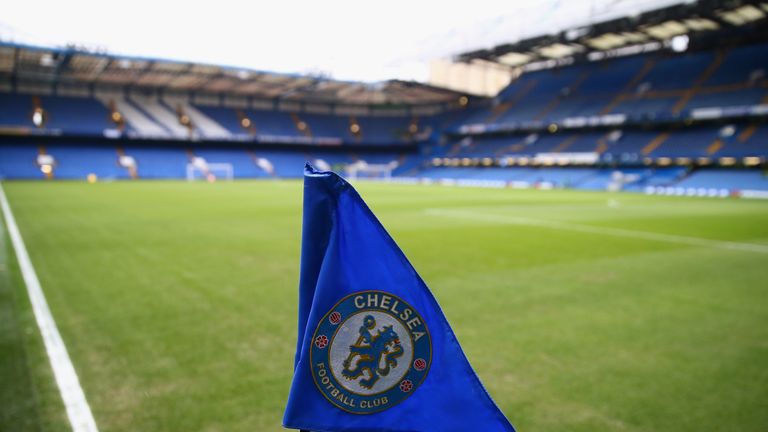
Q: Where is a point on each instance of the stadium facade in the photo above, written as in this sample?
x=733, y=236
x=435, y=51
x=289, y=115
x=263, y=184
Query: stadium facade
x=672, y=101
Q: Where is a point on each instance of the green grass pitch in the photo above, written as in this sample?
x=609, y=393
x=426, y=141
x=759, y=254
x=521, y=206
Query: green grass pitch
x=580, y=311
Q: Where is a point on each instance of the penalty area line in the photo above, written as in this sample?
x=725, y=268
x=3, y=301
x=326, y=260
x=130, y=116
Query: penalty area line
x=78, y=410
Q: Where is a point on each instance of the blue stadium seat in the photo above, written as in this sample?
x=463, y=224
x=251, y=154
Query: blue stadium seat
x=678, y=71
x=76, y=116
x=77, y=161
x=158, y=162
x=739, y=64
x=19, y=161
x=728, y=179
x=16, y=110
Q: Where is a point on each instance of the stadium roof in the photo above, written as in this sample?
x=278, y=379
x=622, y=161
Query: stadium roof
x=72, y=65
x=646, y=31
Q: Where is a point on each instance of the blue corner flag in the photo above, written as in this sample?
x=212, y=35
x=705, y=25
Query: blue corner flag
x=375, y=352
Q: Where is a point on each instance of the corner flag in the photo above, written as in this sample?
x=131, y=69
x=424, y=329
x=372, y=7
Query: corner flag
x=374, y=352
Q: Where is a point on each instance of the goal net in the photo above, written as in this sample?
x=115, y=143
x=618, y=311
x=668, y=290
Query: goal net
x=199, y=169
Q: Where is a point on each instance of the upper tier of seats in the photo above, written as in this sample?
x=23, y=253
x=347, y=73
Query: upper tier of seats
x=146, y=117
x=656, y=84
x=650, y=86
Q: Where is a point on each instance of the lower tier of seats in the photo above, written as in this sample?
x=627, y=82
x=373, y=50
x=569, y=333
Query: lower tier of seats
x=79, y=161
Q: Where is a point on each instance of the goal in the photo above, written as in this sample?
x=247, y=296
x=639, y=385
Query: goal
x=209, y=171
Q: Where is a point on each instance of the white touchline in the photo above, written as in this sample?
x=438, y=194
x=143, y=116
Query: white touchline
x=617, y=232
x=78, y=411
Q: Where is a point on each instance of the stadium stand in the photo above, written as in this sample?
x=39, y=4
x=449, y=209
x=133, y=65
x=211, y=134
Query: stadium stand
x=138, y=123
x=16, y=110
x=273, y=123
x=622, y=117
x=206, y=126
x=728, y=179
x=76, y=116
x=242, y=161
x=17, y=161
x=75, y=161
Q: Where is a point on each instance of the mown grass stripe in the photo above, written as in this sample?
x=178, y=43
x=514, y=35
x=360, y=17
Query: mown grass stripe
x=589, y=229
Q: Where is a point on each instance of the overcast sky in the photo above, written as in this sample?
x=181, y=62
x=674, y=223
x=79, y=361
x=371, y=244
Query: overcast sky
x=353, y=40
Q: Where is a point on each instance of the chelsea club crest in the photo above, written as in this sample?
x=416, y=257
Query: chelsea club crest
x=370, y=352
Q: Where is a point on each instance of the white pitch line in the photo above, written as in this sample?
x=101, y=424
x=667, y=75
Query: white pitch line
x=78, y=411
x=617, y=232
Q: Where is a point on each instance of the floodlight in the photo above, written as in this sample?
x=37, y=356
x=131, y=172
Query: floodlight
x=38, y=117
x=727, y=131
x=679, y=43
x=47, y=60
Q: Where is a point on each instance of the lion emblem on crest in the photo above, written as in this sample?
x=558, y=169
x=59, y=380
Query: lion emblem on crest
x=375, y=353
